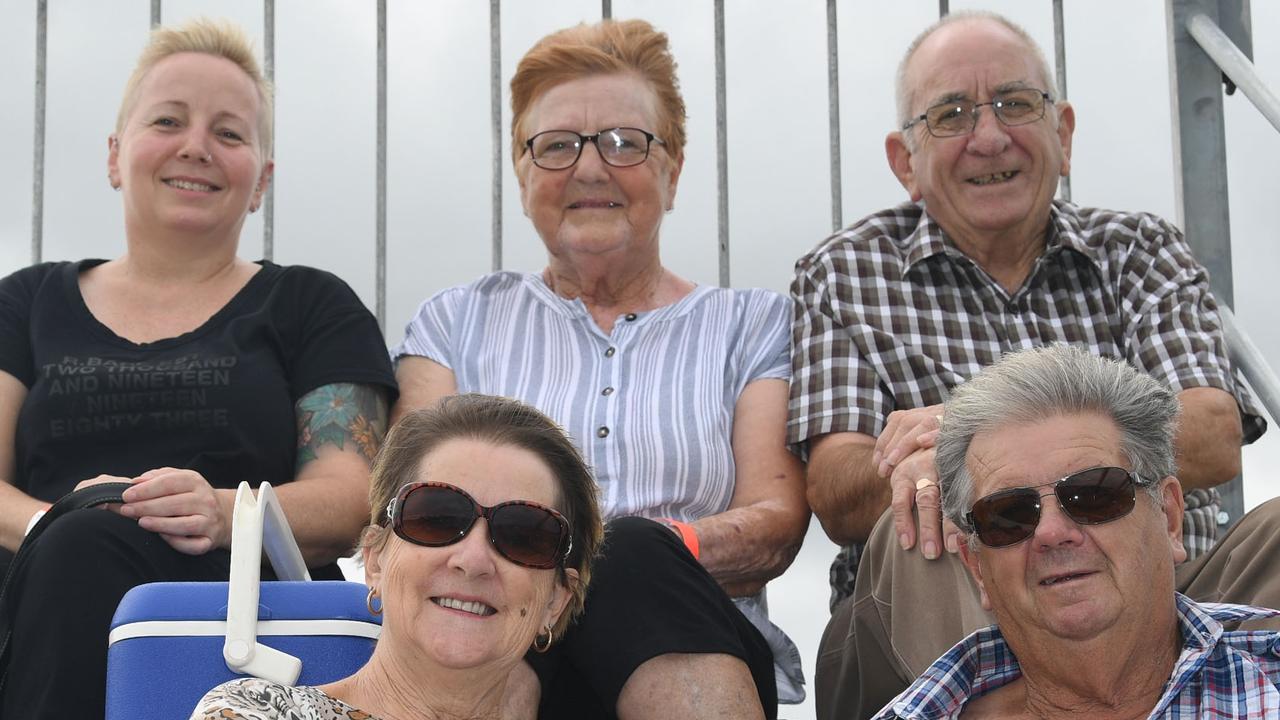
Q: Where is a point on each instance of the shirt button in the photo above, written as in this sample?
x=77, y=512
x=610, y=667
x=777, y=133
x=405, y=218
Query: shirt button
x=607, y=391
x=631, y=317
x=610, y=352
x=602, y=431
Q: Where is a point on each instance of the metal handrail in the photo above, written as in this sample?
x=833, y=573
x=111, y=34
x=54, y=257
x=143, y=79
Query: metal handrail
x=1249, y=360
x=1216, y=44
x=1235, y=65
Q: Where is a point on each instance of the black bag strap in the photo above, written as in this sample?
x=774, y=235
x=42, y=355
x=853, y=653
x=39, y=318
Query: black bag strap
x=100, y=494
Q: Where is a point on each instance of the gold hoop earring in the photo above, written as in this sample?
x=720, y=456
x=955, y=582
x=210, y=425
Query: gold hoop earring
x=542, y=641
x=368, y=602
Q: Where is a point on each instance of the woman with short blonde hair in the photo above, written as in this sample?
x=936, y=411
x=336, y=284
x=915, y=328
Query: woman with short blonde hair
x=179, y=368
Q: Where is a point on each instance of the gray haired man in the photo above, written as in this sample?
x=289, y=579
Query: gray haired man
x=1058, y=468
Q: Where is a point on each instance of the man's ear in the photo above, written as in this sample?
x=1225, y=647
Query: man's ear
x=900, y=157
x=1066, y=129
x=969, y=555
x=1173, y=505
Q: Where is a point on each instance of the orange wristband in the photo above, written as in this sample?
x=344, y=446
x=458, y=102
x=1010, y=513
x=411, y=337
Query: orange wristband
x=687, y=534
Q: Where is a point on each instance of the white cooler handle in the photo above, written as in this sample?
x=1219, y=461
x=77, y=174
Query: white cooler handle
x=258, y=524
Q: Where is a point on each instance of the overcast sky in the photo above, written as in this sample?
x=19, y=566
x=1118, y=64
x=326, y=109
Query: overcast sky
x=440, y=154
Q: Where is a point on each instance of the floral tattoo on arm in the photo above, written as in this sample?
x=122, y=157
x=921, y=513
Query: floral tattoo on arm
x=343, y=415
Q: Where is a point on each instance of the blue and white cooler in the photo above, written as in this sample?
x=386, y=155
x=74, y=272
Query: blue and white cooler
x=170, y=643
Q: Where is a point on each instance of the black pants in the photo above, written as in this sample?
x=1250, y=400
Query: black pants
x=648, y=597
x=65, y=597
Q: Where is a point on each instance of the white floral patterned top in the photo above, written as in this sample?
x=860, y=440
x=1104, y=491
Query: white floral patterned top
x=258, y=699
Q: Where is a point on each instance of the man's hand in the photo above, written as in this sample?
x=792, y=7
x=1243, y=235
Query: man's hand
x=917, y=506
x=182, y=507
x=906, y=432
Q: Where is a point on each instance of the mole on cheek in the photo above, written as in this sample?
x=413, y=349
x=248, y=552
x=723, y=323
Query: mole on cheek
x=524, y=611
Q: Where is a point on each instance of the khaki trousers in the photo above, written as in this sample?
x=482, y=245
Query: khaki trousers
x=869, y=654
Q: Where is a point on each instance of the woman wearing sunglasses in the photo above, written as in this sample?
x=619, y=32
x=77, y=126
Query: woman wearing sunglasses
x=676, y=393
x=483, y=528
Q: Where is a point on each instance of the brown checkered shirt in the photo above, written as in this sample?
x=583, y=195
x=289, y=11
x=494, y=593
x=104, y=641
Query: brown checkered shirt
x=889, y=314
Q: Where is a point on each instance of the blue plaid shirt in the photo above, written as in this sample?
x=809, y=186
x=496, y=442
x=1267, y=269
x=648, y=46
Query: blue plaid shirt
x=1220, y=673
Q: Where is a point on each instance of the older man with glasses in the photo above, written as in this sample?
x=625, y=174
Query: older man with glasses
x=1058, y=467
x=904, y=305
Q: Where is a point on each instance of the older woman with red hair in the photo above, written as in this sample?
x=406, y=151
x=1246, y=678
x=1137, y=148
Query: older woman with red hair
x=675, y=392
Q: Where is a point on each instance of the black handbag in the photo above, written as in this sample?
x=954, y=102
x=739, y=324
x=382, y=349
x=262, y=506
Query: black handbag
x=101, y=494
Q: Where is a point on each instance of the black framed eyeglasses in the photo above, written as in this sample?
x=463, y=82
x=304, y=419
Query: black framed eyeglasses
x=1089, y=497
x=619, y=147
x=960, y=117
x=436, y=514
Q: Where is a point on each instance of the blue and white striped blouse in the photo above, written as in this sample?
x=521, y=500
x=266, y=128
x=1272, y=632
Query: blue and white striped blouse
x=650, y=405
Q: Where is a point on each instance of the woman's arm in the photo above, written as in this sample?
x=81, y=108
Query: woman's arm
x=16, y=507
x=422, y=383
x=340, y=427
x=759, y=535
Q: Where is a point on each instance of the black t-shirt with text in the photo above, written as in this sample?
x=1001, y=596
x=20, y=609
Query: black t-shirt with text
x=218, y=400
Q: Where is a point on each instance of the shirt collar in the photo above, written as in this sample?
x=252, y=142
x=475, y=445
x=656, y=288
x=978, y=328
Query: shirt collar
x=1063, y=232
x=575, y=308
x=983, y=662
x=925, y=241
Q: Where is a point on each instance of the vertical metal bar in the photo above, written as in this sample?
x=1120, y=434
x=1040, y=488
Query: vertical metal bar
x=944, y=8
x=155, y=13
x=1199, y=145
x=606, y=9
x=495, y=110
x=833, y=104
x=1200, y=161
x=1060, y=64
x=1235, y=17
x=269, y=67
x=380, y=262
x=722, y=148
x=37, y=160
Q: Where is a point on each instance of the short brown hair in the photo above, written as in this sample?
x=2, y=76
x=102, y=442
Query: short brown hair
x=604, y=48
x=500, y=421
x=218, y=38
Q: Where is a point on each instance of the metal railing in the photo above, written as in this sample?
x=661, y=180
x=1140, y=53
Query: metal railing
x=496, y=118
x=1210, y=42
x=1246, y=357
